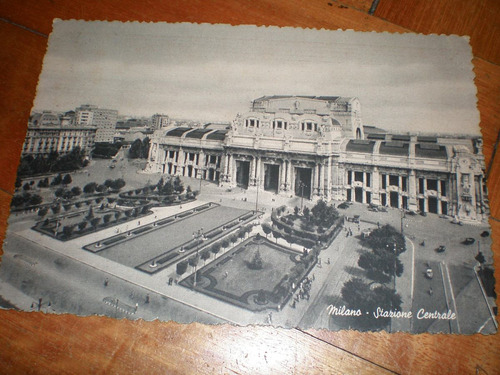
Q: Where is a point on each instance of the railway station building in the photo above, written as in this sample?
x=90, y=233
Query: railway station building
x=318, y=148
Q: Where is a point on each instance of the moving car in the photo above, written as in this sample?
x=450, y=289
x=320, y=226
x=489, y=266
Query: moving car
x=469, y=241
x=441, y=249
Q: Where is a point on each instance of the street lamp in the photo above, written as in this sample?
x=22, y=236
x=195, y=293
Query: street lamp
x=198, y=236
x=403, y=215
x=257, y=182
x=301, y=187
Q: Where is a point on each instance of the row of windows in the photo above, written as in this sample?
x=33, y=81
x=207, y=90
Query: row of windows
x=398, y=181
x=282, y=124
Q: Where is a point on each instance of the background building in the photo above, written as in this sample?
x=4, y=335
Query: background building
x=50, y=132
x=103, y=119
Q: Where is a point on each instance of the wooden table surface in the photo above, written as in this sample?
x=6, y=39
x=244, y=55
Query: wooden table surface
x=40, y=343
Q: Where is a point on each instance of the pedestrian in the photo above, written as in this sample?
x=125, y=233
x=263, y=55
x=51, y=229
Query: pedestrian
x=106, y=282
x=328, y=261
x=136, y=306
x=431, y=292
x=271, y=317
x=147, y=298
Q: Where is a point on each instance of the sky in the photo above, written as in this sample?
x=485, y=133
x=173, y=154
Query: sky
x=405, y=82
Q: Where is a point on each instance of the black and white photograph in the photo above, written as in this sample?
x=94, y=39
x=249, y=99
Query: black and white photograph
x=248, y=175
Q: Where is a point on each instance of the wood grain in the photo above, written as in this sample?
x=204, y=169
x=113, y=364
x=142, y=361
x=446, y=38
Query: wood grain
x=477, y=18
x=39, y=343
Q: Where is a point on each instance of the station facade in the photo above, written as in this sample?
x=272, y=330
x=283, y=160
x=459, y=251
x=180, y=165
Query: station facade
x=317, y=148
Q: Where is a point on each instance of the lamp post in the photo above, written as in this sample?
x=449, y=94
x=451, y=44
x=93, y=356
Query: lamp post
x=403, y=215
x=257, y=182
x=198, y=236
x=301, y=186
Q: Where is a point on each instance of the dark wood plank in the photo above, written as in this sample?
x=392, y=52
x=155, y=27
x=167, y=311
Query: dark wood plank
x=477, y=18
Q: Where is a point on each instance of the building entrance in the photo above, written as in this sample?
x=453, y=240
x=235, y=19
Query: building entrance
x=271, y=177
x=303, y=182
x=242, y=173
x=433, y=205
x=358, y=194
x=394, y=199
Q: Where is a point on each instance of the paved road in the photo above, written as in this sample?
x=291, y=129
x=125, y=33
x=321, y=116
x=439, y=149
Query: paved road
x=76, y=288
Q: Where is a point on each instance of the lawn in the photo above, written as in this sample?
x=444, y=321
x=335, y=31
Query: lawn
x=140, y=249
x=231, y=279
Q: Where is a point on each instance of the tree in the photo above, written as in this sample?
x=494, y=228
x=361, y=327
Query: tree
x=256, y=263
x=59, y=192
x=205, y=255
x=358, y=295
x=277, y=235
x=225, y=243
x=118, y=214
x=193, y=261
x=43, y=211
x=181, y=267
x=215, y=248
x=35, y=200
x=267, y=229
x=67, y=179
x=95, y=222
x=234, y=239
x=386, y=238
x=26, y=186
x=56, y=209
x=242, y=233
x=56, y=180
x=89, y=188
x=90, y=214
x=178, y=185
x=168, y=188
x=68, y=230
x=106, y=218
x=82, y=225
x=76, y=191
x=135, y=150
x=118, y=184
x=17, y=200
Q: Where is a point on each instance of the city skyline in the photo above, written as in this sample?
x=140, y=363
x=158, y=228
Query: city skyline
x=212, y=72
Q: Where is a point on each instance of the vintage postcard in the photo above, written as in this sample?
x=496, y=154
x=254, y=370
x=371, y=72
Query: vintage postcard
x=253, y=175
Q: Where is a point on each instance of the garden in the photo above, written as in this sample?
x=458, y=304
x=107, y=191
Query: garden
x=256, y=274
x=317, y=226
x=166, y=192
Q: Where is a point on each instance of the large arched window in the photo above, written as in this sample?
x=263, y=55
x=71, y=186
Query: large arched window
x=252, y=123
x=309, y=125
x=280, y=124
x=358, y=133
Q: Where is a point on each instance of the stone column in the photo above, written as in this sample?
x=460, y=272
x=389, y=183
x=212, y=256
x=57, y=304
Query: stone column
x=315, y=187
x=412, y=191
x=258, y=177
x=252, y=171
x=329, y=179
x=322, y=180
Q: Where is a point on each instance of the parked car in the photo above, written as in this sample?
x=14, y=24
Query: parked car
x=343, y=206
x=429, y=273
x=469, y=241
x=382, y=209
x=441, y=249
x=485, y=234
x=354, y=219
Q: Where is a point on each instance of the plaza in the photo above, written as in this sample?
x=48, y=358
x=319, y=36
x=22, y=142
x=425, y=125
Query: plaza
x=230, y=279
x=226, y=290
